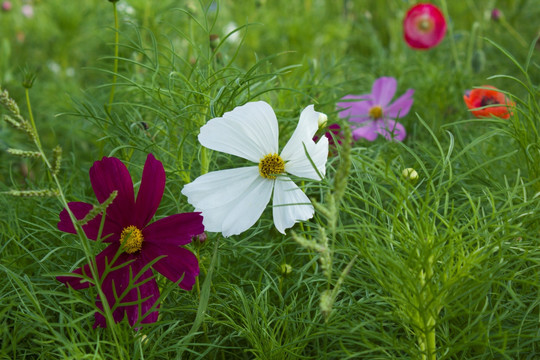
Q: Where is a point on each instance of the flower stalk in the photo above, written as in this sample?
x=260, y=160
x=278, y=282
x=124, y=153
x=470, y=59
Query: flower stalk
x=115, y=66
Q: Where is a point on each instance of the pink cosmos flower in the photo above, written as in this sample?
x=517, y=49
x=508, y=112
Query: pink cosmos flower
x=424, y=26
x=374, y=115
x=133, y=242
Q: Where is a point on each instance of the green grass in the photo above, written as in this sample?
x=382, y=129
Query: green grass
x=445, y=267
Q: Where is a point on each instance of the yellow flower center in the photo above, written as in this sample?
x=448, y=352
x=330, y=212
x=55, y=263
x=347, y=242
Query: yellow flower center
x=271, y=165
x=425, y=24
x=131, y=239
x=376, y=112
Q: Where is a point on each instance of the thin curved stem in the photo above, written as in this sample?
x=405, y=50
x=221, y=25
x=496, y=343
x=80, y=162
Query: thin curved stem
x=115, y=69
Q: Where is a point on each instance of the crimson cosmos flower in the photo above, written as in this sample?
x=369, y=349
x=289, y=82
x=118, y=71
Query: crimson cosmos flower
x=483, y=102
x=334, y=135
x=133, y=241
x=424, y=26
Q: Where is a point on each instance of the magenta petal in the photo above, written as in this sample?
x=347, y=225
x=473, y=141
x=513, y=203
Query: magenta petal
x=140, y=300
x=369, y=131
x=174, y=230
x=383, y=90
x=401, y=106
x=91, y=229
x=150, y=191
x=135, y=302
x=76, y=282
x=149, y=291
x=113, y=286
x=108, y=175
x=391, y=130
x=177, y=262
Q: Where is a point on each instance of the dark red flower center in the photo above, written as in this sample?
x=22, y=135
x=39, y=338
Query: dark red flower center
x=131, y=239
x=488, y=100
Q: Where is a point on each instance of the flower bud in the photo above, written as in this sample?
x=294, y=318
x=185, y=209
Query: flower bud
x=410, y=174
x=28, y=78
x=214, y=41
x=286, y=269
x=478, y=61
x=496, y=14
x=323, y=119
x=201, y=238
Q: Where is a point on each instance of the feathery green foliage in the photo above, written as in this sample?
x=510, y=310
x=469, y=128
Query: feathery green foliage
x=442, y=267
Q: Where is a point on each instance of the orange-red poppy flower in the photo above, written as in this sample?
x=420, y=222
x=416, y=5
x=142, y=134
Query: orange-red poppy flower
x=488, y=101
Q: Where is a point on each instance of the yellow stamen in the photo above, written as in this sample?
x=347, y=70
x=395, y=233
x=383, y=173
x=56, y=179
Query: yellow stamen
x=425, y=24
x=376, y=112
x=131, y=239
x=271, y=165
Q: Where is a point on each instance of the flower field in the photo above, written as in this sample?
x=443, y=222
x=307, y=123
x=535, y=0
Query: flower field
x=314, y=179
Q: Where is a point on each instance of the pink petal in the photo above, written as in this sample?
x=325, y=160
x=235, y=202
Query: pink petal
x=415, y=36
x=391, y=130
x=174, y=230
x=108, y=175
x=383, y=90
x=80, y=210
x=77, y=282
x=401, y=106
x=359, y=110
x=369, y=131
x=177, y=262
x=150, y=191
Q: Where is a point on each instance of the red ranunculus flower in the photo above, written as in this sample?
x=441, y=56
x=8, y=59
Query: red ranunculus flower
x=424, y=26
x=133, y=241
x=488, y=102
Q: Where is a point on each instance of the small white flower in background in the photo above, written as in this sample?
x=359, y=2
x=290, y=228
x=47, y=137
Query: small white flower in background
x=124, y=8
x=234, y=37
x=53, y=66
x=70, y=72
x=232, y=200
x=27, y=11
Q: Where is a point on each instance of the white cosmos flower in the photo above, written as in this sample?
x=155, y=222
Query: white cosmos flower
x=232, y=200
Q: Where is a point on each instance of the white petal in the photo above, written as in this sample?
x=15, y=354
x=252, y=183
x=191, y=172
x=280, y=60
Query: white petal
x=294, y=153
x=249, y=131
x=290, y=204
x=230, y=201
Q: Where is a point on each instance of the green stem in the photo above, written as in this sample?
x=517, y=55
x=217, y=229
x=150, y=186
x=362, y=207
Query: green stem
x=513, y=31
x=115, y=70
x=472, y=42
x=31, y=117
x=205, y=163
x=205, y=153
x=451, y=35
x=427, y=320
x=80, y=231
